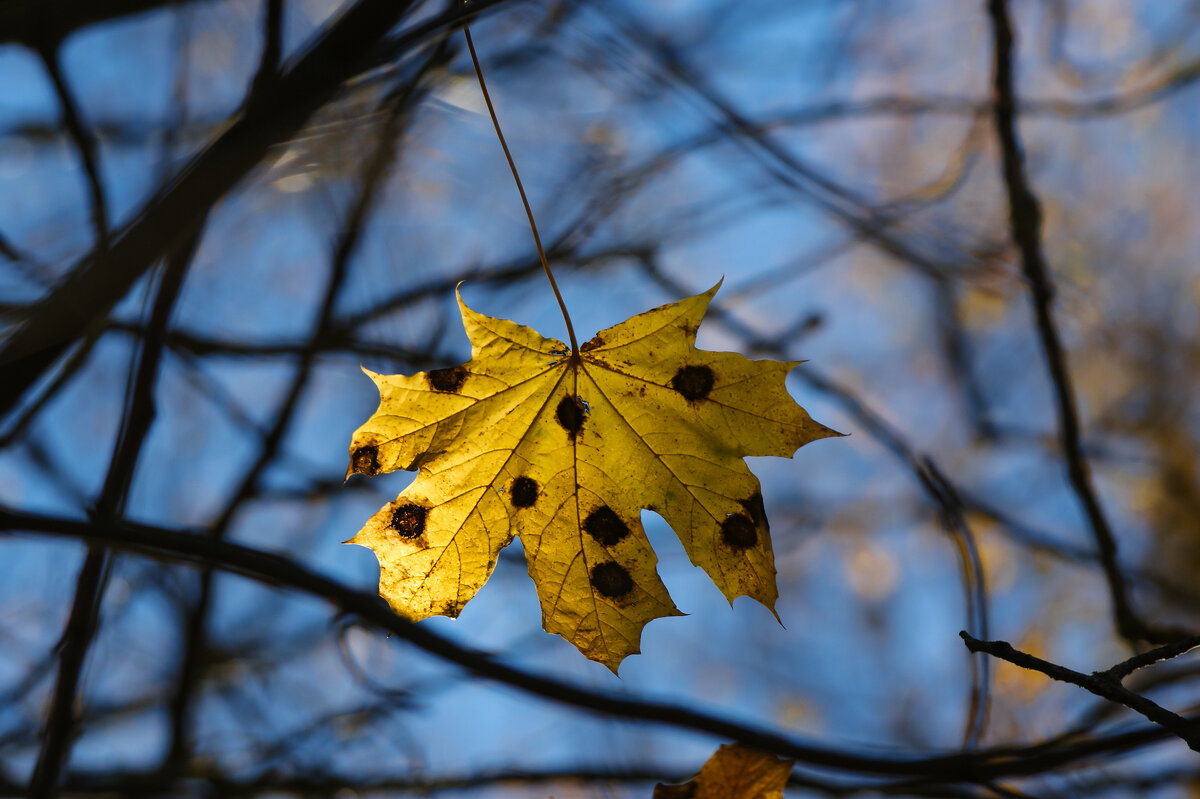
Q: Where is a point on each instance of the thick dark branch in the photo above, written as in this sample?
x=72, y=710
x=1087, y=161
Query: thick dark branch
x=1025, y=217
x=375, y=172
x=268, y=62
x=195, y=547
x=76, y=640
x=102, y=278
x=34, y=22
x=140, y=411
x=30, y=412
x=89, y=588
x=1098, y=683
x=140, y=784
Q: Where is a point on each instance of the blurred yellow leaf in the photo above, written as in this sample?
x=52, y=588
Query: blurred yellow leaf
x=733, y=772
x=565, y=450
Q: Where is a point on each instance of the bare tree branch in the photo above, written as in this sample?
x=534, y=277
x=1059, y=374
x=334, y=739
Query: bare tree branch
x=90, y=585
x=35, y=22
x=1099, y=683
x=85, y=144
x=194, y=547
x=103, y=277
x=1025, y=216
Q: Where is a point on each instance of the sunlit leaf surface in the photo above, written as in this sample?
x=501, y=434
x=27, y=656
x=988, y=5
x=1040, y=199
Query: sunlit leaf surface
x=565, y=451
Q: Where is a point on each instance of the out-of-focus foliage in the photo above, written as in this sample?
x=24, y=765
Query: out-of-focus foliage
x=835, y=160
x=733, y=770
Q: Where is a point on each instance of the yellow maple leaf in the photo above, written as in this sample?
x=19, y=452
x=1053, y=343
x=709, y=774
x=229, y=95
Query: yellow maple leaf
x=565, y=450
x=733, y=772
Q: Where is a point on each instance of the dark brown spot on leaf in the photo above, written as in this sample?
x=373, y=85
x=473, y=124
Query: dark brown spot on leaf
x=755, y=510
x=365, y=460
x=738, y=532
x=594, y=342
x=409, y=520
x=693, y=382
x=611, y=579
x=604, y=525
x=523, y=492
x=570, y=415
x=448, y=380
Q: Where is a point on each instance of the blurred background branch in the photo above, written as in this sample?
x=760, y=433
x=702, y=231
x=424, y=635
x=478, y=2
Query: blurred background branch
x=974, y=220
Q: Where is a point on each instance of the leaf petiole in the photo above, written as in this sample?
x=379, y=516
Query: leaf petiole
x=537, y=240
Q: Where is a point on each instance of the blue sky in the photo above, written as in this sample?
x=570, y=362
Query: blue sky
x=871, y=596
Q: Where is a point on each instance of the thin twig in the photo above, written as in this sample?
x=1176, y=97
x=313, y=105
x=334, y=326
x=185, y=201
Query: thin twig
x=10, y=252
x=537, y=240
x=1144, y=659
x=941, y=492
x=1096, y=683
x=85, y=143
x=976, y=596
x=92, y=579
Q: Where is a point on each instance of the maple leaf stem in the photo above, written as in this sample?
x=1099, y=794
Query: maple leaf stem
x=537, y=240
